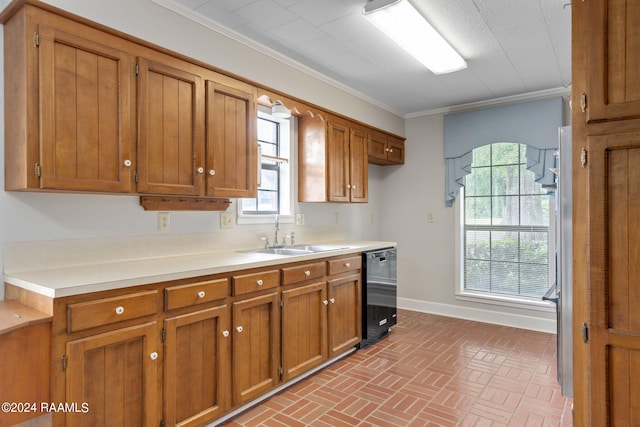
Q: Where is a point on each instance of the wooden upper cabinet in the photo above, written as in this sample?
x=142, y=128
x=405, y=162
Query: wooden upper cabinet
x=70, y=122
x=613, y=59
x=332, y=160
x=383, y=149
x=232, y=144
x=171, y=127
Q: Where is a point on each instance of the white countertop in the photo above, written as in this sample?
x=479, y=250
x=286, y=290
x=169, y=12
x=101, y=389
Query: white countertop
x=100, y=276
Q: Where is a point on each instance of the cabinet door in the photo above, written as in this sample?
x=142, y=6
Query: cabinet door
x=232, y=144
x=613, y=264
x=255, y=347
x=377, y=148
x=345, y=308
x=171, y=128
x=358, y=167
x=338, y=162
x=116, y=374
x=196, y=367
x=395, y=152
x=613, y=64
x=85, y=112
x=304, y=328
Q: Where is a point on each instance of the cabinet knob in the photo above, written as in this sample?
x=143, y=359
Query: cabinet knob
x=307, y=273
x=200, y=170
x=391, y=150
x=225, y=334
x=212, y=172
x=348, y=185
x=259, y=282
x=347, y=264
x=127, y=163
x=325, y=302
x=239, y=329
x=386, y=149
x=119, y=310
x=154, y=355
x=353, y=187
x=201, y=294
x=333, y=300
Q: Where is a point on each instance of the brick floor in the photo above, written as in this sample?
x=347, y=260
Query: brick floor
x=429, y=371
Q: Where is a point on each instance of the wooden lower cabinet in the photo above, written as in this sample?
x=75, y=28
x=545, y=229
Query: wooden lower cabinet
x=304, y=328
x=345, y=319
x=112, y=378
x=255, y=346
x=197, y=367
x=214, y=344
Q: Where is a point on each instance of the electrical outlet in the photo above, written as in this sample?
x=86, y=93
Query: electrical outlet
x=164, y=221
x=299, y=219
x=226, y=220
x=372, y=218
x=431, y=216
x=336, y=216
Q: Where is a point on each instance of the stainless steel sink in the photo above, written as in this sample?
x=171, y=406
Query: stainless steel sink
x=297, y=250
x=320, y=248
x=281, y=251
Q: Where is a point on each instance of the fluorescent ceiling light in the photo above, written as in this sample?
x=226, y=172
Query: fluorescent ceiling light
x=399, y=20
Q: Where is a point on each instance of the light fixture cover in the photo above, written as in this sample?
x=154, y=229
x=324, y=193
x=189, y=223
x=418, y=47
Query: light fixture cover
x=399, y=20
x=279, y=110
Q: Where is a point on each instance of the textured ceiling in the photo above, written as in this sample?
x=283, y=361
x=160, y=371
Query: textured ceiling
x=512, y=47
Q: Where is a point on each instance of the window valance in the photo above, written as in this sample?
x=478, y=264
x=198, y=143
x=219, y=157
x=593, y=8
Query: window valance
x=533, y=123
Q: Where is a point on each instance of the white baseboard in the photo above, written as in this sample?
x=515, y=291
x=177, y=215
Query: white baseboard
x=480, y=315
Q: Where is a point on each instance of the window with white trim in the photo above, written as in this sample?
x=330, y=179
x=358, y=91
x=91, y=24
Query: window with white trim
x=274, y=190
x=506, y=243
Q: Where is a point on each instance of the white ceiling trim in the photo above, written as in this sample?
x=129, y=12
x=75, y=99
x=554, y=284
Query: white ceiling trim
x=228, y=32
x=531, y=96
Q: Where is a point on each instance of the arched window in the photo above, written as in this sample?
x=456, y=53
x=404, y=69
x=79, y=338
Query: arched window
x=505, y=225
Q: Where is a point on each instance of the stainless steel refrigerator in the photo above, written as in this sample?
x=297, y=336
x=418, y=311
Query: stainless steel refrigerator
x=563, y=287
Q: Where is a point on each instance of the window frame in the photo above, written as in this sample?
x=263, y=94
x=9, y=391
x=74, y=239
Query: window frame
x=499, y=299
x=287, y=138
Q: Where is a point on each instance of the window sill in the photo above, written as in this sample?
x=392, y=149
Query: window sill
x=506, y=301
x=263, y=219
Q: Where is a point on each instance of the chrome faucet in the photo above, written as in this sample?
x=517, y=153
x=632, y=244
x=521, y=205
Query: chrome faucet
x=277, y=244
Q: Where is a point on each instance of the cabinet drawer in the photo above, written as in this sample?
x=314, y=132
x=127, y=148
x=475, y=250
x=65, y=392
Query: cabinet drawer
x=303, y=272
x=345, y=264
x=85, y=315
x=256, y=282
x=195, y=293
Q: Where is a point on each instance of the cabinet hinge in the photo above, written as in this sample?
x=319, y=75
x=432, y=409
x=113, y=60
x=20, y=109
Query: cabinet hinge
x=585, y=333
x=137, y=69
x=163, y=335
x=583, y=102
x=63, y=362
x=162, y=423
x=281, y=303
x=135, y=177
x=583, y=157
x=38, y=170
x=280, y=372
x=36, y=39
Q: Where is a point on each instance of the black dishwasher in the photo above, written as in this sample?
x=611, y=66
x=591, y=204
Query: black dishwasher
x=379, y=293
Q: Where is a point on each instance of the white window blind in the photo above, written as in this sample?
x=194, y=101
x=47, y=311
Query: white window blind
x=506, y=225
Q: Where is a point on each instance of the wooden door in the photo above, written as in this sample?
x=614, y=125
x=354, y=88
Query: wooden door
x=613, y=60
x=232, y=144
x=377, y=147
x=614, y=279
x=86, y=123
x=338, y=162
x=197, y=367
x=255, y=347
x=345, y=318
x=358, y=166
x=304, y=328
x=116, y=375
x=171, y=128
